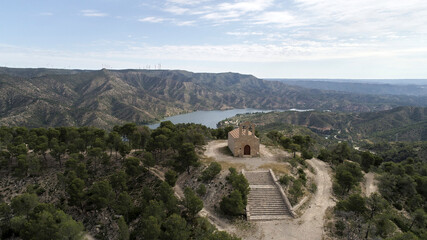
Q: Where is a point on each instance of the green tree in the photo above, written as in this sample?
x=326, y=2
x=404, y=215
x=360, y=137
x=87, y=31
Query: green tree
x=166, y=195
x=76, y=192
x=48, y=223
x=419, y=219
x=171, y=177
x=132, y=166
x=375, y=204
x=123, y=229
x=150, y=228
x=201, y=190
x=233, y=204
x=124, y=205
x=95, y=154
x=175, y=228
x=296, y=191
x=156, y=209
x=119, y=181
x=24, y=204
x=239, y=183
x=348, y=175
x=187, y=156
x=192, y=202
x=211, y=171
x=100, y=194
x=113, y=142
x=148, y=160
x=294, y=148
x=34, y=165
x=58, y=150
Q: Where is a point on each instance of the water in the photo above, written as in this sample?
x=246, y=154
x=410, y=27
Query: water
x=211, y=118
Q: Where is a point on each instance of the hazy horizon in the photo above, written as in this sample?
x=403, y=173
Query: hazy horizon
x=364, y=39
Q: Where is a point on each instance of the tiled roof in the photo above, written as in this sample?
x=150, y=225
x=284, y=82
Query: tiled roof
x=235, y=133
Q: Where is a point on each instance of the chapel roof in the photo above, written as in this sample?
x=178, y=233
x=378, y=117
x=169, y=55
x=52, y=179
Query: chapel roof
x=235, y=133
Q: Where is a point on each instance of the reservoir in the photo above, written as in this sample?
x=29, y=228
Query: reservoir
x=207, y=118
x=211, y=118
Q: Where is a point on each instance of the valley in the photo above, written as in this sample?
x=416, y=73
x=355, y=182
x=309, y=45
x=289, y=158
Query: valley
x=104, y=98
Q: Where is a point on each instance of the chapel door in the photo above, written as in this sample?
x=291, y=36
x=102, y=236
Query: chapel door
x=247, y=150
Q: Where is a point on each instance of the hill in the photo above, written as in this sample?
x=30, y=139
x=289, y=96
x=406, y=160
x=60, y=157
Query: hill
x=102, y=98
x=403, y=123
x=362, y=87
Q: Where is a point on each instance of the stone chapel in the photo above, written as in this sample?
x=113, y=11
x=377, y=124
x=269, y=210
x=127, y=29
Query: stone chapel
x=242, y=141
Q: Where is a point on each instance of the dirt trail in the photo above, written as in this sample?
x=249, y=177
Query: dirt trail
x=307, y=226
x=371, y=184
x=310, y=224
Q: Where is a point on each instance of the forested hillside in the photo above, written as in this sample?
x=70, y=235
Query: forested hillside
x=401, y=123
x=51, y=97
x=61, y=183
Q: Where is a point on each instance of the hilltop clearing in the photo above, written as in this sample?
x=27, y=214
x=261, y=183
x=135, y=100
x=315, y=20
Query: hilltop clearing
x=308, y=224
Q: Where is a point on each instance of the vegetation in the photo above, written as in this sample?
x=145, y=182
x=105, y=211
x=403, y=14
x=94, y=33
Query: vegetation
x=235, y=203
x=398, y=124
x=211, y=171
x=88, y=176
x=400, y=206
x=104, y=98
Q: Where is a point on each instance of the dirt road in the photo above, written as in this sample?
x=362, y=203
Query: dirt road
x=310, y=224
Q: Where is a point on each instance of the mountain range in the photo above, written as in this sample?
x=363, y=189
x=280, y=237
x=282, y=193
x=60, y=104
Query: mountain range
x=102, y=98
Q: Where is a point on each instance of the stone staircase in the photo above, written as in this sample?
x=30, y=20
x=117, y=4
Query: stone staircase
x=266, y=200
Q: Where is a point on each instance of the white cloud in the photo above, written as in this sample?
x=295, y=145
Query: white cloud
x=152, y=19
x=185, y=23
x=283, y=18
x=244, y=33
x=176, y=10
x=187, y=2
x=246, y=6
x=93, y=13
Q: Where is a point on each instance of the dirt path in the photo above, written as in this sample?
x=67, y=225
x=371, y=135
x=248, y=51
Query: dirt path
x=371, y=184
x=307, y=226
x=310, y=224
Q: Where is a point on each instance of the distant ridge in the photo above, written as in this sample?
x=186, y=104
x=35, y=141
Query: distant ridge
x=375, y=86
x=57, y=97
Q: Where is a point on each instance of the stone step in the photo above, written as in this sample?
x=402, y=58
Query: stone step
x=259, y=178
x=265, y=201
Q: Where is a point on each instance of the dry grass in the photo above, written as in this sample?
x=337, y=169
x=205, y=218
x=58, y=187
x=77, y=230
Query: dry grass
x=227, y=165
x=278, y=168
x=205, y=159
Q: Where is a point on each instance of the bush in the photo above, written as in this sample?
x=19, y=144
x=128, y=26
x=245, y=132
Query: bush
x=171, y=177
x=210, y=172
x=233, y=204
x=201, y=190
x=285, y=179
x=306, y=154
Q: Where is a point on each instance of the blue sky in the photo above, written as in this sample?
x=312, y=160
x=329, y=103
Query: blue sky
x=266, y=38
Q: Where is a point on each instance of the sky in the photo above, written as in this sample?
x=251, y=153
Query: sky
x=359, y=39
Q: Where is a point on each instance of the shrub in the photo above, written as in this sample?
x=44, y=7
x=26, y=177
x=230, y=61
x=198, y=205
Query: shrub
x=210, y=172
x=233, y=204
x=201, y=190
x=285, y=179
x=171, y=177
x=306, y=154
